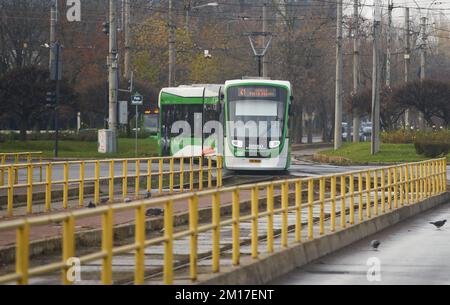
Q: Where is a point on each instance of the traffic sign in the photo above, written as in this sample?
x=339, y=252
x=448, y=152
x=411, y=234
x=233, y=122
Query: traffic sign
x=137, y=99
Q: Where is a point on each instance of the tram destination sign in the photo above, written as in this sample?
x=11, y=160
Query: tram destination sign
x=257, y=91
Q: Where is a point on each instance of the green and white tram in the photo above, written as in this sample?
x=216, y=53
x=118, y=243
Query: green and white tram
x=256, y=136
x=184, y=112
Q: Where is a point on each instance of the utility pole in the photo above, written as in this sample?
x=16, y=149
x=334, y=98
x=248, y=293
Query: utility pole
x=375, y=147
x=389, y=40
x=53, y=22
x=127, y=55
x=423, y=48
x=172, y=56
x=339, y=76
x=113, y=73
x=356, y=115
x=407, y=58
x=264, y=29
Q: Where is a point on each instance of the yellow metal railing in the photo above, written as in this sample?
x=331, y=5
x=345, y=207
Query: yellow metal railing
x=406, y=184
x=186, y=172
x=17, y=158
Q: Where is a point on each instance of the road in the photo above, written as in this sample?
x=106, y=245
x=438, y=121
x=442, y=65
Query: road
x=411, y=252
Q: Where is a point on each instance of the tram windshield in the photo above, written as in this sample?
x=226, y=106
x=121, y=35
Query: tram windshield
x=261, y=109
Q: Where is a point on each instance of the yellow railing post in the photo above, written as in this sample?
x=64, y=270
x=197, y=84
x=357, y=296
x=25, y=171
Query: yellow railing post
x=333, y=204
x=16, y=169
x=311, y=209
x=40, y=169
x=400, y=182
x=168, y=245
x=383, y=191
x=298, y=212
x=137, y=179
x=343, y=205
x=216, y=233
x=270, y=215
x=395, y=188
x=445, y=174
x=149, y=176
x=209, y=172
x=368, y=195
x=352, y=198
x=29, y=188
x=81, y=185
x=171, y=175
x=360, y=198
x=107, y=246
x=322, y=206
x=181, y=174
x=140, y=228
x=193, y=227
x=66, y=185
x=191, y=174
x=48, y=188
x=124, y=179
x=160, y=175
x=68, y=249
x=219, y=170
x=200, y=173
x=10, y=191
x=111, y=181
x=422, y=181
x=255, y=207
x=22, y=253
x=97, y=183
x=417, y=183
x=407, y=183
x=236, y=227
x=375, y=192
x=284, y=213
x=2, y=171
x=389, y=188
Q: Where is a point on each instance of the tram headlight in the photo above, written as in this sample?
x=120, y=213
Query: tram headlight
x=274, y=144
x=237, y=143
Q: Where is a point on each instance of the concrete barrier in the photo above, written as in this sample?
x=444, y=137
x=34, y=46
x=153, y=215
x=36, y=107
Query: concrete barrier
x=271, y=266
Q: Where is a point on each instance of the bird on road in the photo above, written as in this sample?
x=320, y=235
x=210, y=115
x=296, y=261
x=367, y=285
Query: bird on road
x=154, y=212
x=91, y=205
x=375, y=244
x=439, y=224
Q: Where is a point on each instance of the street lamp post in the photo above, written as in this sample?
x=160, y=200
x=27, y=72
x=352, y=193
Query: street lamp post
x=189, y=8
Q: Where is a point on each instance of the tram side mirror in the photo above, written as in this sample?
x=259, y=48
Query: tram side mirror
x=292, y=98
x=222, y=97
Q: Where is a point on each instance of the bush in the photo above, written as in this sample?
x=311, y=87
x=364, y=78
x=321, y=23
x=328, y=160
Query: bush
x=400, y=136
x=433, y=144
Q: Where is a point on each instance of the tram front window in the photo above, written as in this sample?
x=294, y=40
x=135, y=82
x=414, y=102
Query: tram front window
x=257, y=115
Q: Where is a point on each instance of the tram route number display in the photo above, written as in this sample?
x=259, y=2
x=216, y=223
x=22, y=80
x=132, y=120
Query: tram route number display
x=257, y=92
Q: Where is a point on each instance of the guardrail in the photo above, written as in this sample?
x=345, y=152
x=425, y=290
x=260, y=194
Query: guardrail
x=16, y=158
x=379, y=191
x=97, y=172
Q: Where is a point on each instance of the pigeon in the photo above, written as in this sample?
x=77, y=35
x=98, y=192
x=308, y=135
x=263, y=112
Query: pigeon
x=148, y=195
x=375, y=244
x=91, y=205
x=154, y=212
x=439, y=224
x=127, y=200
x=104, y=200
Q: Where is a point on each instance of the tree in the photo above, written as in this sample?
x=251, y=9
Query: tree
x=23, y=95
x=430, y=97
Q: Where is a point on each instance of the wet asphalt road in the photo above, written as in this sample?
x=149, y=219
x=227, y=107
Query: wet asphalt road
x=412, y=252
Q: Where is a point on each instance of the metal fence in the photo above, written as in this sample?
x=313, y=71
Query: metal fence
x=116, y=175
x=16, y=158
x=362, y=195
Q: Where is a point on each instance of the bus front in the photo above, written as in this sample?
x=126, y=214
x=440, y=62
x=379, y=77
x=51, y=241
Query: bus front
x=256, y=136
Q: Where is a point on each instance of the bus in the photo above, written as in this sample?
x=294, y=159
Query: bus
x=184, y=113
x=256, y=135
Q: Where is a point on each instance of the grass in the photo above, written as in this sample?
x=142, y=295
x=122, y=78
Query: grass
x=79, y=149
x=389, y=153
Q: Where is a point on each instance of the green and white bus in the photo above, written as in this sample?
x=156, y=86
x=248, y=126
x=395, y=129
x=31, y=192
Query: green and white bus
x=184, y=111
x=256, y=136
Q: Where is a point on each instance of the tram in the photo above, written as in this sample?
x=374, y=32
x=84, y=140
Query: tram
x=184, y=113
x=256, y=112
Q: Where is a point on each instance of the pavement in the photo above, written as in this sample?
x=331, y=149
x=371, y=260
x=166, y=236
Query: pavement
x=412, y=252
